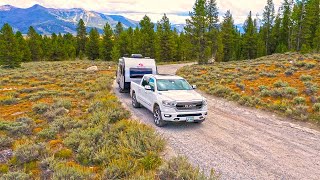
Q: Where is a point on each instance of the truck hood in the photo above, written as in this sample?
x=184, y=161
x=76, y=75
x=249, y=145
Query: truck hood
x=181, y=95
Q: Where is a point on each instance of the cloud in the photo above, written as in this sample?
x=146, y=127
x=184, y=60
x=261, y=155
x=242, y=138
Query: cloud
x=136, y=9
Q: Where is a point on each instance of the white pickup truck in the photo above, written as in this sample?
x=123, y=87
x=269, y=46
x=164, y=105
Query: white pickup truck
x=170, y=98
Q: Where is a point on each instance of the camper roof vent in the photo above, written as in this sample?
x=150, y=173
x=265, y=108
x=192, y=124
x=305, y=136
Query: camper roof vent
x=136, y=56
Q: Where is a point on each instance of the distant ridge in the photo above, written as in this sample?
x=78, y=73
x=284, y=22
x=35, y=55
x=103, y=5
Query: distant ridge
x=51, y=20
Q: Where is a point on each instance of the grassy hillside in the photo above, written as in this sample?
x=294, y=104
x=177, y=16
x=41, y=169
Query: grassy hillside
x=287, y=84
x=59, y=121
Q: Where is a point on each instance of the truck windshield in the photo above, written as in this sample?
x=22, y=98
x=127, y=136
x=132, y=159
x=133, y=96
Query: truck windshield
x=139, y=72
x=173, y=84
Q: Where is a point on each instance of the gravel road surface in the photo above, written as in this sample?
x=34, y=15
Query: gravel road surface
x=239, y=142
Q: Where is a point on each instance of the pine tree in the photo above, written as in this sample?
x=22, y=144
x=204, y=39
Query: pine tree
x=286, y=25
x=92, y=47
x=213, y=28
x=277, y=45
x=10, y=56
x=166, y=42
x=227, y=38
x=118, y=30
x=268, y=20
x=147, y=37
x=35, y=44
x=58, y=52
x=123, y=44
x=23, y=47
x=186, y=46
x=130, y=41
x=81, y=38
x=115, y=54
x=70, y=46
x=46, y=47
x=197, y=27
x=310, y=22
x=250, y=38
x=136, y=41
x=107, y=43
x=316, y=40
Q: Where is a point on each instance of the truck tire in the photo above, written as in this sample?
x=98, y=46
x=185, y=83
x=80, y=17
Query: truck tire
x=158, y=117
x=135, y=102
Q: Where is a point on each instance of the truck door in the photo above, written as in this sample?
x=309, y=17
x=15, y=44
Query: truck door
x=141, y=94
x=150, y=95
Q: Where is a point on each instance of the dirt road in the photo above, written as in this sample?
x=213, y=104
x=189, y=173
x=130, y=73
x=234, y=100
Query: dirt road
x=240, y=142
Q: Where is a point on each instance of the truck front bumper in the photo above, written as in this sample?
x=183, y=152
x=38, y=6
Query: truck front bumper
x=188, y=116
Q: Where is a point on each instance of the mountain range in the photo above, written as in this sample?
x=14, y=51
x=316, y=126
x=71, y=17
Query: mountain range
x=50, y=20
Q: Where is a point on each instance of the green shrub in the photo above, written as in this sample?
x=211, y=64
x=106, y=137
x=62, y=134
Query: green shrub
x=280, y=83
x=300, y=64
x=120, y=169
x=16, y=176
x=63, y=153
x=311, y=88
x=306, y=78
x=267, y=74
x=40, y=108
x=49, y=133
x=220, y=91
x=9, y=101
x=301, y=110
x=55, y=113
x=151, y=161
x=28, y=152
x=62, y=103
x=63, y=171
x=23, y=126
x=65, y=123
x=261, y=88
x=299, y=100
x=235, y=96
x=30, y=90
x=290, y=91
x=179, y=168
x=5, y=142
x=310, y=65
x=316, y=107
x=265, y=93
x=4, y=169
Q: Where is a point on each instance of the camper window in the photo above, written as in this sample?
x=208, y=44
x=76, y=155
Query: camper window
x=139, y=72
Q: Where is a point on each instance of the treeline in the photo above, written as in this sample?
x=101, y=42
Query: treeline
x=296, y=27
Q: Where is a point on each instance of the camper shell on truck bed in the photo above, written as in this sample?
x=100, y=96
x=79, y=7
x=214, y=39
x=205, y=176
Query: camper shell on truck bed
x=133, y=69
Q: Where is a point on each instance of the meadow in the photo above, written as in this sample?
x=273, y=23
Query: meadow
x=59, y=121
x=284, y=83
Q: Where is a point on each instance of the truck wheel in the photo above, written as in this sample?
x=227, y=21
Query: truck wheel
x=158, y=117
x=135, y=103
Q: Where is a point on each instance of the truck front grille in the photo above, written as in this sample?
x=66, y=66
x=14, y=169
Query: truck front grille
x=188, y=106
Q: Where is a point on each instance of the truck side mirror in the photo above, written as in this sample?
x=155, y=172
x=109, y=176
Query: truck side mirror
x=194, y=86
x=147, y=87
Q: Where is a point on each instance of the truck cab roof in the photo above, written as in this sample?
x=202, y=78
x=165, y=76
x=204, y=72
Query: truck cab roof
x=164, y=76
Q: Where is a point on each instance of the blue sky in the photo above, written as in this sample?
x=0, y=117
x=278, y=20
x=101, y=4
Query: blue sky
x=177, y=10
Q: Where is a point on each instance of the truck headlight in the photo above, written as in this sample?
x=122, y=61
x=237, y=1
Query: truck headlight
x=169, y=103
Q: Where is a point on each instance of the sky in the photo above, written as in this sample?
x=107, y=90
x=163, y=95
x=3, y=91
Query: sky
x=176, y=10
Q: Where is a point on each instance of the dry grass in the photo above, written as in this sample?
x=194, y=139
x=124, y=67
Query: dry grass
x=62, y=122
x=272, y=83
